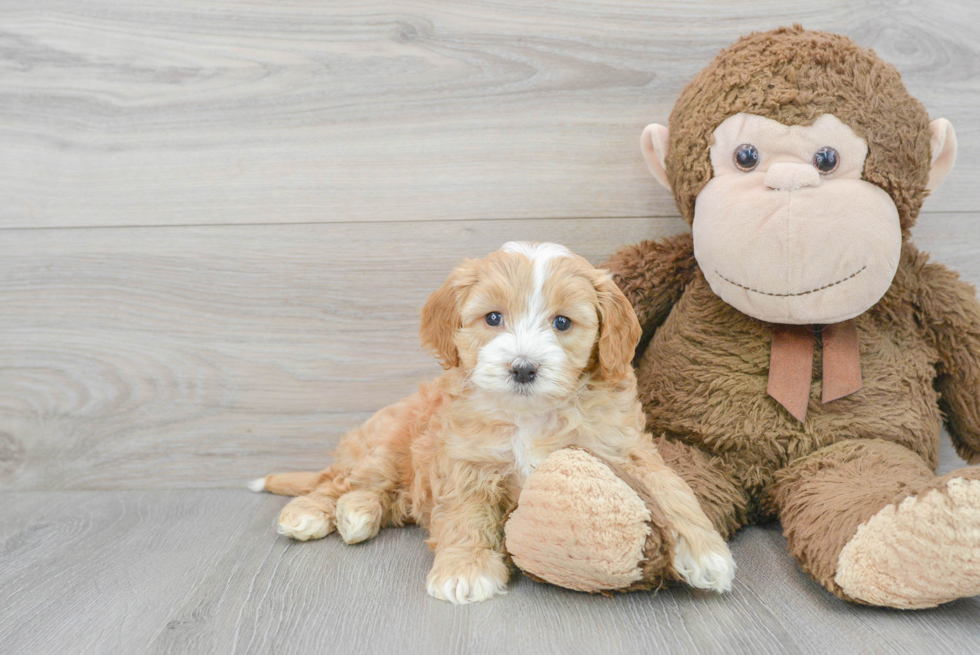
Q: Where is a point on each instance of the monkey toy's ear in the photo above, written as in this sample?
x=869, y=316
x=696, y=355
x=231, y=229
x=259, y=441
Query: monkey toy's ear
x=654, y=144
x=943, y=147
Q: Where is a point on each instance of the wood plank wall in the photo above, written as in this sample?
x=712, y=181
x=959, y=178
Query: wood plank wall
x=218, y=220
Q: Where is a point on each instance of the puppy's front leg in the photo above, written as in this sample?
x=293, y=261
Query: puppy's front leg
x=702, y=558
x=466, y=535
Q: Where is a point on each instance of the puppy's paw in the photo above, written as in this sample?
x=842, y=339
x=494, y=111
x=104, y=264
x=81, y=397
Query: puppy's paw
x=709, y=566
x=359, y=515
x=305, y=527
x=462, y=577
x=302, y=520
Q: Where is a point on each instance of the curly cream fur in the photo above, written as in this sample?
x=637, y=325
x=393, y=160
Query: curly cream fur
x=453, y=456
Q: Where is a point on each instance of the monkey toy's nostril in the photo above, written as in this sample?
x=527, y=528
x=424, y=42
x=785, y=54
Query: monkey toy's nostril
x=524, y=373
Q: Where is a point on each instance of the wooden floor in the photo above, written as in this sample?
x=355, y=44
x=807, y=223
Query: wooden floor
x=203, y=571
x=217, y=224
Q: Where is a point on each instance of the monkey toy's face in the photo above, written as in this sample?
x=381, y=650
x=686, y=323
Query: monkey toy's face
x=786, y=230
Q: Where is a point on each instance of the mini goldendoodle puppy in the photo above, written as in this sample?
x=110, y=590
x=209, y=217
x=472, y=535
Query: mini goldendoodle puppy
x=537, y=346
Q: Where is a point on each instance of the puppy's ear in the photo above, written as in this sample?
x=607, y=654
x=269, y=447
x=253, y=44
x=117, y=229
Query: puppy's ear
x=441, y=317
x=619, y=330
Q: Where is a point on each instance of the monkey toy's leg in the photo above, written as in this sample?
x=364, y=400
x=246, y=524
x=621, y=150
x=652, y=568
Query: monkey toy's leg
x=872, y=523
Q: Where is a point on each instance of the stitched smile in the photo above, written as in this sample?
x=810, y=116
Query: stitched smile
x=787, y=295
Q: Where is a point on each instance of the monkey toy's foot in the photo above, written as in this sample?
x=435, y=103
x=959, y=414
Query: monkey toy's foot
x=585, y=524
x=919, y=552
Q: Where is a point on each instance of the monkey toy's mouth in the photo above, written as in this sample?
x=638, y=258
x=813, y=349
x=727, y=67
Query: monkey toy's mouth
x=791, y=295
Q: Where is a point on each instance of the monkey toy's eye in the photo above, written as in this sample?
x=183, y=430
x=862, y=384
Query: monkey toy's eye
x=826, y=160
x=746, y=157
x=562, y=323
x=494, y=319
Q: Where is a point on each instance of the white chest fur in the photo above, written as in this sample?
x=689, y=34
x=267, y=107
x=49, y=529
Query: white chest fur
x=529, y=444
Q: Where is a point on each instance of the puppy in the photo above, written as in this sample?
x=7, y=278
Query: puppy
x=537, y=346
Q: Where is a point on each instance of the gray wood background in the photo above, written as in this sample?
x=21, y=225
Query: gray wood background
x=217, y=223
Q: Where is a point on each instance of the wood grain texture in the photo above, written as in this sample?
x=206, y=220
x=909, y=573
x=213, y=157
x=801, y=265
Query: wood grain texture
x=178, y=112
x=204, y=572
x=822, y=623
x=201, y=357
x=217, y=224
x=274, y=604
x=102, y=572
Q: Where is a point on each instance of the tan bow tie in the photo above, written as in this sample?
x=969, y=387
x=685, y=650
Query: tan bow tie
x=791, y=364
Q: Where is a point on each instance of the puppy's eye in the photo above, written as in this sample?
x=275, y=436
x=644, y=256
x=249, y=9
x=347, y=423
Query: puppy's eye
x=826, y=160
x=746, y=157
x=562, y=323
x=494, y=319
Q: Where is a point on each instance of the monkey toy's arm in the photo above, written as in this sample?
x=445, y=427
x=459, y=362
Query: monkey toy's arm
x=653, y=275
x=951, y=313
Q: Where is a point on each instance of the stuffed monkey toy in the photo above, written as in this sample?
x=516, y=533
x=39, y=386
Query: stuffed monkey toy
x=800, y=355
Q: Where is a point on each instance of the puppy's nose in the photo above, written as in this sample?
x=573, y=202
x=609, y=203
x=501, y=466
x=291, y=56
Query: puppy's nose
x=786, y=177
x=524, y=372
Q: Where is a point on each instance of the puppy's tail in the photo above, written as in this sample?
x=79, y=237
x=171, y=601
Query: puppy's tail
x=287, y=484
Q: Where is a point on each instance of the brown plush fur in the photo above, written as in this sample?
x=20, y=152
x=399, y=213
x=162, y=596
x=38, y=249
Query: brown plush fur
x=703, y=374
x=713, y=482
x=825, y=496
x=703, y=384
x=794, y=76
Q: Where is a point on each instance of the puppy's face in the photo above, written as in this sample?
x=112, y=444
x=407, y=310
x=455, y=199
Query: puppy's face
x=529, y=321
